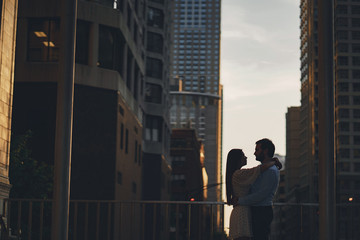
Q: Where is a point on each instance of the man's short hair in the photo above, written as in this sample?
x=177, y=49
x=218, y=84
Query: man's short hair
x=267, y=144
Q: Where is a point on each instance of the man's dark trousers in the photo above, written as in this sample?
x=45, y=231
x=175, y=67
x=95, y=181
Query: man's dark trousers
x=262, y=217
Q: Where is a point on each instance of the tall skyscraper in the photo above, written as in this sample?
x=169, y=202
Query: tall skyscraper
x=195, y=79
x=196, y=92
x=347, y=114
x=347, y=111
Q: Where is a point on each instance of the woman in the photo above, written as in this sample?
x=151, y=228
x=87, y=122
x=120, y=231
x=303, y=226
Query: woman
x=238, y=182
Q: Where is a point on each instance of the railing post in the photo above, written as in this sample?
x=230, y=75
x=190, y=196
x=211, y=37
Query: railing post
x=19, y=219
x=109, y=220
x=143, y=221
x=41, y=220
x=154, y=222
x=177, y=222
x=86, y=220
x=211, y=223
x=189, y=222
x=30, y=220
x=97, y=233
x=167, y=221
x=75, y=219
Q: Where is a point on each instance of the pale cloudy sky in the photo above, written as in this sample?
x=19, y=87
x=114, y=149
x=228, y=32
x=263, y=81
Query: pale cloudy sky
x=260, y=72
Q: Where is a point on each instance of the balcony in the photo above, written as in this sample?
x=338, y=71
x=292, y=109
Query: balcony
x=154, y=220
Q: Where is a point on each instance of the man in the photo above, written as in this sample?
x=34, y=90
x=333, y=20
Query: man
x=262, y=192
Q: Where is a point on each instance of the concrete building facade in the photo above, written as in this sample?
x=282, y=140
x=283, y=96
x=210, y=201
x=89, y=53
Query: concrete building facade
x=189, y=178
x=346, y=96
x=107, y=144
x=8, y=26
x=156, y=103
x=110, y=65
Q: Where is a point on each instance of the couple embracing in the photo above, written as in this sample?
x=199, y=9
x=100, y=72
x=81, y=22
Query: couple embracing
x=251, y=191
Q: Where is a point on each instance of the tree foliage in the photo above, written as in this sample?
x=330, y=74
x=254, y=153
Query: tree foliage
x=29, y=178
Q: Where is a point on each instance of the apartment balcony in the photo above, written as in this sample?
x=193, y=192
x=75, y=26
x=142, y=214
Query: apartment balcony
x=155, y=220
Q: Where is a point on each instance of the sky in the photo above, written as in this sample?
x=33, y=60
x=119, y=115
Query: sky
x=260, y=72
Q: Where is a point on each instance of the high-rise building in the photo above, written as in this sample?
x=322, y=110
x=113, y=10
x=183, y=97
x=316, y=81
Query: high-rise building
x=292, y=215
x=347, y=110
x=8, y=26
x=196, y=91
x=195, y=76
x=292, y=149
x=157, y=132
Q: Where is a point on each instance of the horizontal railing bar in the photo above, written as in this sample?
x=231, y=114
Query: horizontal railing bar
x=174, y=202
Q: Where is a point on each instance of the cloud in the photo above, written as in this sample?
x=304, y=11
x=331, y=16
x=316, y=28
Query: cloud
x=246, y=31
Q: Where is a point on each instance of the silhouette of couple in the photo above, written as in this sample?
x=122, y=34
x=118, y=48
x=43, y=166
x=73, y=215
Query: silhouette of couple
x=251, y=191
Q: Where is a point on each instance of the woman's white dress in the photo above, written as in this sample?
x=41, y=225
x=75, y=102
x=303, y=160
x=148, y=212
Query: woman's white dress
x=240, y=218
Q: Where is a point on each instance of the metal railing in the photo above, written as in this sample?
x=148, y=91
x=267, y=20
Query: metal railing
x=300, y=221
x=108, y=220
x=150, y=220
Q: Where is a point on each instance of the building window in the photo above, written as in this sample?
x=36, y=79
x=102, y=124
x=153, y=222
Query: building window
x=139, y=153
x=343, y=87
x=344, y=126
x=153, y=93
x=341, y=9
x=342, y=61
x=344, y=113
x=178, y=161
x=356, y=126
x=155, y=18
x=82, y=42
x=344, y=74
x=355, y=9
x=342, y=35
x=122, y=136
x=136, y=151
x=344, y=139
x=356, y=47
x=355, y=22
x=356, y=113
x=154, y=42
x=344, y=153
x=356, y=140
x=356, y=87
x=356, y=74
x=356, y=100
x=154, y=68
x=357, y=166
x=126, y=141
x=343, y=100
x=111, y=49
x=133, y=187
x=43, y=40
x=153, y=128
x=356, y=61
